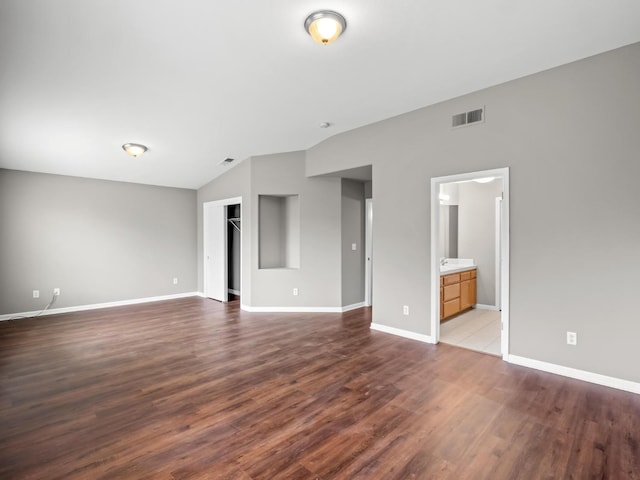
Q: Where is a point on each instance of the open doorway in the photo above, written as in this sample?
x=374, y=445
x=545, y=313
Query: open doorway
x=222, y=245
x=469, y=255
x=234, y=246
x=368, y=246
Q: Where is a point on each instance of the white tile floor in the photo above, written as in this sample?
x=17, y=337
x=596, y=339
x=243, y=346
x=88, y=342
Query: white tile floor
x=476, y=330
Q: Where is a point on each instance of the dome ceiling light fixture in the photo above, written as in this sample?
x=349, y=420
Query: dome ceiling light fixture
x=325, y=26
x=484, y=180
x=134, y=149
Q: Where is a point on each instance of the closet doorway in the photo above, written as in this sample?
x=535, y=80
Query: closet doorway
x=222, y=248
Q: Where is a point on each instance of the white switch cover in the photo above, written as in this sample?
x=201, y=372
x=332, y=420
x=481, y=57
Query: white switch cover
x=353, y=246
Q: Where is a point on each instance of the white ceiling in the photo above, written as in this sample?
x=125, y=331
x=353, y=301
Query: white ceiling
x=201, y=80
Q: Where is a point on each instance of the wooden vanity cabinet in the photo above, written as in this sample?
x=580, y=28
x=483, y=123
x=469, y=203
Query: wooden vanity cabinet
x=467, y=289
x=457, y=292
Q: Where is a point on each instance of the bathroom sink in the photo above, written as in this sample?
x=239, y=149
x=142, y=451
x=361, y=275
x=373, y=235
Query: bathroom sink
x=452, y=267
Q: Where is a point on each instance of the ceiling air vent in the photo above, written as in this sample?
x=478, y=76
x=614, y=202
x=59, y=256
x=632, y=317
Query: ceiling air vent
x=226, y=161
x=467, y=118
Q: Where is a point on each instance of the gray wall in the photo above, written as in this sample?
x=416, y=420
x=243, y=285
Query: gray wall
x=353, y=229
x=98, y=241
x=477, y=233
x=368, y=189
x=570, y=138
x=318, y=277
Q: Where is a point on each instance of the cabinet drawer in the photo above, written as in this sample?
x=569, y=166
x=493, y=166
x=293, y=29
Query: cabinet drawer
x=450, y=279
x=451, y=307
x=451, y=291
x=465, y=276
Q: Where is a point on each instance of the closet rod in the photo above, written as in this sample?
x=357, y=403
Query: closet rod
x=233, y=221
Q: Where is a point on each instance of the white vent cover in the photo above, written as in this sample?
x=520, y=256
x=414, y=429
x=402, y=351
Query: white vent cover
x=226, y=161
x=468, y=118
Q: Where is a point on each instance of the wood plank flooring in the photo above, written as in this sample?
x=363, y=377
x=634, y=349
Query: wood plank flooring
x=194, y=389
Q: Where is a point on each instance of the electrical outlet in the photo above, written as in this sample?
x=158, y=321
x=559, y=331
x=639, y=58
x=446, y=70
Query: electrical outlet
x=36, y=294
x=353, y=246
x=572, y=338
x=175, y=280
x=405, y=310
x=56, y=292
x=295, y=292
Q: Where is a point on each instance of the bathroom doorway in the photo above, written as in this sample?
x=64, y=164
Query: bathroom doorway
x=469, y=260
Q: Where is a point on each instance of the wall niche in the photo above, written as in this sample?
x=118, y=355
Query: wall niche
x=279, y=231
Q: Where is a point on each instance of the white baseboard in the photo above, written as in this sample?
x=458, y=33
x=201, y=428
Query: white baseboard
x=402, y=333
x=292, y=309
x=481, y=306
x=96, y=306
x=353, y=306
x=583, y=375
x=302, y=309
x=234, y=292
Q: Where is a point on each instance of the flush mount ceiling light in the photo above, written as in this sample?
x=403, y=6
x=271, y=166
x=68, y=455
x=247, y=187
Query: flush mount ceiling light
x=134, y=149
x=325, y=26
x=484, y=180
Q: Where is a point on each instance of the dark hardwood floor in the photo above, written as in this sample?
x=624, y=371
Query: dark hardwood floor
x=194, y=389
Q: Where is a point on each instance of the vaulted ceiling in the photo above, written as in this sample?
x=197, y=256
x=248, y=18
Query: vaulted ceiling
x=198, y=81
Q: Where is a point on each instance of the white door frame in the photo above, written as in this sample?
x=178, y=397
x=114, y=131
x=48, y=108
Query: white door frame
x=502, y=173
x=368, y=252
x=498, y=252
x=205, y=221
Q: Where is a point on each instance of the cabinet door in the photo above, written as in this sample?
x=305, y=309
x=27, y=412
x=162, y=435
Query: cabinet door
x=451, y=279
x=451, y=307
x=473, y=292
x=451, y=292
x=465, y=294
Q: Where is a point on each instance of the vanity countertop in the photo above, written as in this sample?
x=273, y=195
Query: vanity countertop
x=447, y=269
x=455, y=265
